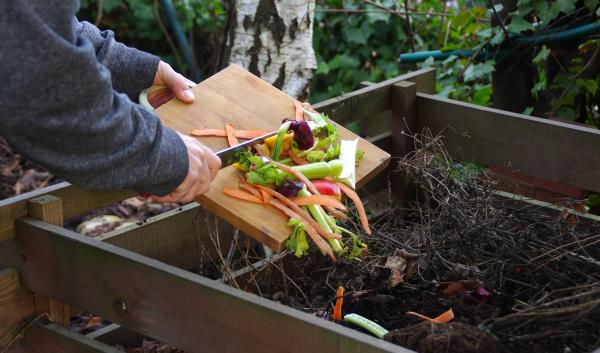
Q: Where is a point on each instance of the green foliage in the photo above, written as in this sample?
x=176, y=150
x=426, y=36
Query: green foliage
x=134, y=22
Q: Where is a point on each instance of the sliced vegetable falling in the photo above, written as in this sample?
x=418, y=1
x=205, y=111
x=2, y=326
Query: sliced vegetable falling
x=303, y=171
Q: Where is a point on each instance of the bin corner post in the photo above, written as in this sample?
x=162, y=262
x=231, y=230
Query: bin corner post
x=49, y=209
x=404, y=125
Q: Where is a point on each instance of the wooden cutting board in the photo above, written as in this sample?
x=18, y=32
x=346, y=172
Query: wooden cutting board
x=236, y=96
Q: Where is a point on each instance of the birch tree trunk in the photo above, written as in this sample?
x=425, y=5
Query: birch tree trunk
x=273, y=40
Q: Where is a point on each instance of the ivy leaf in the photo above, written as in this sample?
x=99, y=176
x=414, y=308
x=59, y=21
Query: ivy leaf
x=545, y=12
x=483, y=96
x=518, y=24
x=355, y=35
x=462, y=19
x=564, y=6
x=479, y=71
x=591, y=5
x=542, y=55
x=343, y=61
x=589, y=85
x=498, y=37
x=528, y=111
x=322, y=68
x=567, y=113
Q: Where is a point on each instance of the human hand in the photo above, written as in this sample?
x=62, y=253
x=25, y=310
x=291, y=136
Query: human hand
x=203, y=167
x=166, y=76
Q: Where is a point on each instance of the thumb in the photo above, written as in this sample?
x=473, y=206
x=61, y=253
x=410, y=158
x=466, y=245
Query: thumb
x=179, y=85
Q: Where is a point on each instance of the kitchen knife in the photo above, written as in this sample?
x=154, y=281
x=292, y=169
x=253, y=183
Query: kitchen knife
x=227, y=155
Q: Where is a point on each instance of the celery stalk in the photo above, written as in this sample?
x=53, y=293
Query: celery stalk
x=279, y=142
x=367, y=324
x=348, y=159
x=320, y=216
x=321, y=169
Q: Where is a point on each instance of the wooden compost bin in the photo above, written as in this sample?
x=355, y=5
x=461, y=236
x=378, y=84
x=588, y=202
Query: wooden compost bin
x=136, y=277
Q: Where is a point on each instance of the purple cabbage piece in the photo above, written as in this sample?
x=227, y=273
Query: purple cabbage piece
x=479, y=295
x=302, y=133
x=289, y=188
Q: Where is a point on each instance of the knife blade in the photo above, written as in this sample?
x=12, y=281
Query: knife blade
x=227, y=155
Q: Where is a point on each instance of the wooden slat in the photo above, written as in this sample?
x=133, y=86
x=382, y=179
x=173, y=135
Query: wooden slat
x=374, y=98
x=539, y=147
x=180, y=237
x=16, y=304
x=49, y=209
x=52, y=338
x=404, y=124
x=169, y=304
x=76, y=201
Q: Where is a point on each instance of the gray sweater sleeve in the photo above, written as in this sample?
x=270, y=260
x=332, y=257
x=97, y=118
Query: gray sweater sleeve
x=132, y=70
x=58, y=106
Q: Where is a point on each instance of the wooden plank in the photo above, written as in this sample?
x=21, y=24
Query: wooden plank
x=180, y=237
x=48, y=208
x=76, y=201
x=51, y=338
x=16, y=304
x=169, y=304
x=404, y=125
x=235, y=95
x=374, y=98
x=538, y=147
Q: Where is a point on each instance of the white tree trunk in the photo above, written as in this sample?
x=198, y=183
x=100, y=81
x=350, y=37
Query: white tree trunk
x=273, y=40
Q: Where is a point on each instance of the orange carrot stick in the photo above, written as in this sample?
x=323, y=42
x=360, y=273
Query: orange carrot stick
x=337, y=310
x=299, y=111
x=322, y=200
x=229, y=129
x=337, y=214
x=362, y=215
x=301, y=212
x=446, y=316
x=209, y=132
x=241, y=195
x=320, y=242
x=245, y=186
x=266, y=196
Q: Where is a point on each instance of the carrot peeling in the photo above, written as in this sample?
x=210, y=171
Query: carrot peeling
x=229, y=129
x=322, y=200
x=299, y=111
x=362, y=215
x=208, y=132
x=337, y=310
x=242, y=195
x=242, y=134
x=443, y=318
x=316, y=238
x=304, y=216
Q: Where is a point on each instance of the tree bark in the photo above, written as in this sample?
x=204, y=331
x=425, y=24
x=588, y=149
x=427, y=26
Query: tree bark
x=273, y=40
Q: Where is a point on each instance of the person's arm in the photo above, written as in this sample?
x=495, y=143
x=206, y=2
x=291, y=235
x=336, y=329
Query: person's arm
x=132, y=70
x=58, y=107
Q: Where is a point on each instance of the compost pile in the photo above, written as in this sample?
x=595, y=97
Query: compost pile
x=518, y=277
x=19, y=175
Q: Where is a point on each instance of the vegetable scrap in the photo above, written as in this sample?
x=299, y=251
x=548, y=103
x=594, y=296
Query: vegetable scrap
x=339, y=300
x=303, y=171
x=443, y=318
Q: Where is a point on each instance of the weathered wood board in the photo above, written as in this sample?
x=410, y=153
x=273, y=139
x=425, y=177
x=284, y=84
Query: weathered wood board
x=236, y=96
